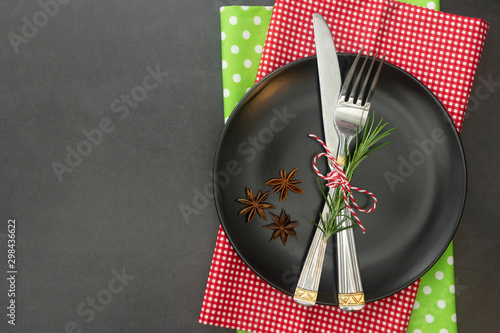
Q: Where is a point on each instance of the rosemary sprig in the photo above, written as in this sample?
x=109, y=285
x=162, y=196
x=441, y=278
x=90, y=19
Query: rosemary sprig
x=370, y=142
x=332, y=226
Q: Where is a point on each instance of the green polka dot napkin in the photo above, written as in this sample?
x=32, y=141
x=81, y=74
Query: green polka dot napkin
x=243, y=34
x=431, y=4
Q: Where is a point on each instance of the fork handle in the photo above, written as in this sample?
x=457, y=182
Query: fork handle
x=350, y=294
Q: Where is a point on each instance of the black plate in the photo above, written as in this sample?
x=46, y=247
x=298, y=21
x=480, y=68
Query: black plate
x=419, y=180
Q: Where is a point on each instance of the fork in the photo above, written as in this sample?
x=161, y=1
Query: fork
x=351, y=119
x=354, y=102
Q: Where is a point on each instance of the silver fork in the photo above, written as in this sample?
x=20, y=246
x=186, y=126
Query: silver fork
x=350, y=118
x=353, y=116
x=352, y=110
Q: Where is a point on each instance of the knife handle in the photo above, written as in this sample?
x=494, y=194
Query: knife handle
x=306, y=292
x=350, y=294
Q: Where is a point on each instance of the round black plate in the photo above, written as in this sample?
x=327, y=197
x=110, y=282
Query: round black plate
x=419, y=180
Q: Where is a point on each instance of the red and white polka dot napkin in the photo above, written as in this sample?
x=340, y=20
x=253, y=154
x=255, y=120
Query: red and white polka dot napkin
x=441, y=50
x=236, y=298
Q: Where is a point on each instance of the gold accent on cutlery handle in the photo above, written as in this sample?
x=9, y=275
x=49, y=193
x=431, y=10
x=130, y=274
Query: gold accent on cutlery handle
x=352, y=302
x=341, y=160
x=307, y=296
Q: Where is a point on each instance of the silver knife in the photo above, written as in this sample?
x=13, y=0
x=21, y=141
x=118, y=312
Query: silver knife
x=330, y=83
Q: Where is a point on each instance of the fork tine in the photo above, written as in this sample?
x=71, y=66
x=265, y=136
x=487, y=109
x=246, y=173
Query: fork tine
x=374, y=82
x=355, y=92
x=347, y=82
x=363, y=92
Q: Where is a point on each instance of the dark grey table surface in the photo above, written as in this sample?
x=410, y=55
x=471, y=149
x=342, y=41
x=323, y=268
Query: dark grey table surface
x=111, y=227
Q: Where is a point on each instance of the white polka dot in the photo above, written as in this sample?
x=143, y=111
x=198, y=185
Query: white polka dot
x=416, y=305
x=441, y=304
x=427, y=290
x=258, y=48
x=431, y=5
x=417, y=331
x=222, y=35
x=233, y=20
x=257, y=20
x=246, y=34
x=452, y=289
x=454, y=317
x=245, y=7
x=443, y=330
x=429, y=318
x=224, y=64
x=269, y=7
x=225, y=119
x=236, y=78
x=247, y=63
x=235, y=49
x=221, y=8
x=439, y=275
x=226, y=92
x=450, y=260
x=248, y=89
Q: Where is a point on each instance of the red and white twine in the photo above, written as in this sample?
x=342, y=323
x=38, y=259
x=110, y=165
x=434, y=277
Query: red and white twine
x=337, y=178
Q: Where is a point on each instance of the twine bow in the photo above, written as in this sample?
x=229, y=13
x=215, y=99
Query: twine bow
x=337, y=178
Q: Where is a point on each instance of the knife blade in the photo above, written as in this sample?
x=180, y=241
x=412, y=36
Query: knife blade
x=330, y=82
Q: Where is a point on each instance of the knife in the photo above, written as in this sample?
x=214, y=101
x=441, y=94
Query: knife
x=330, y=83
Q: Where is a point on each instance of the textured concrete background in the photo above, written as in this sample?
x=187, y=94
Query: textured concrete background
x=141, y=82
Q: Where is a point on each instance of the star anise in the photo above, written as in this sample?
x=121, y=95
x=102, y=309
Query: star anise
x=285, y=183
x=255, y=205
x=282, y=227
